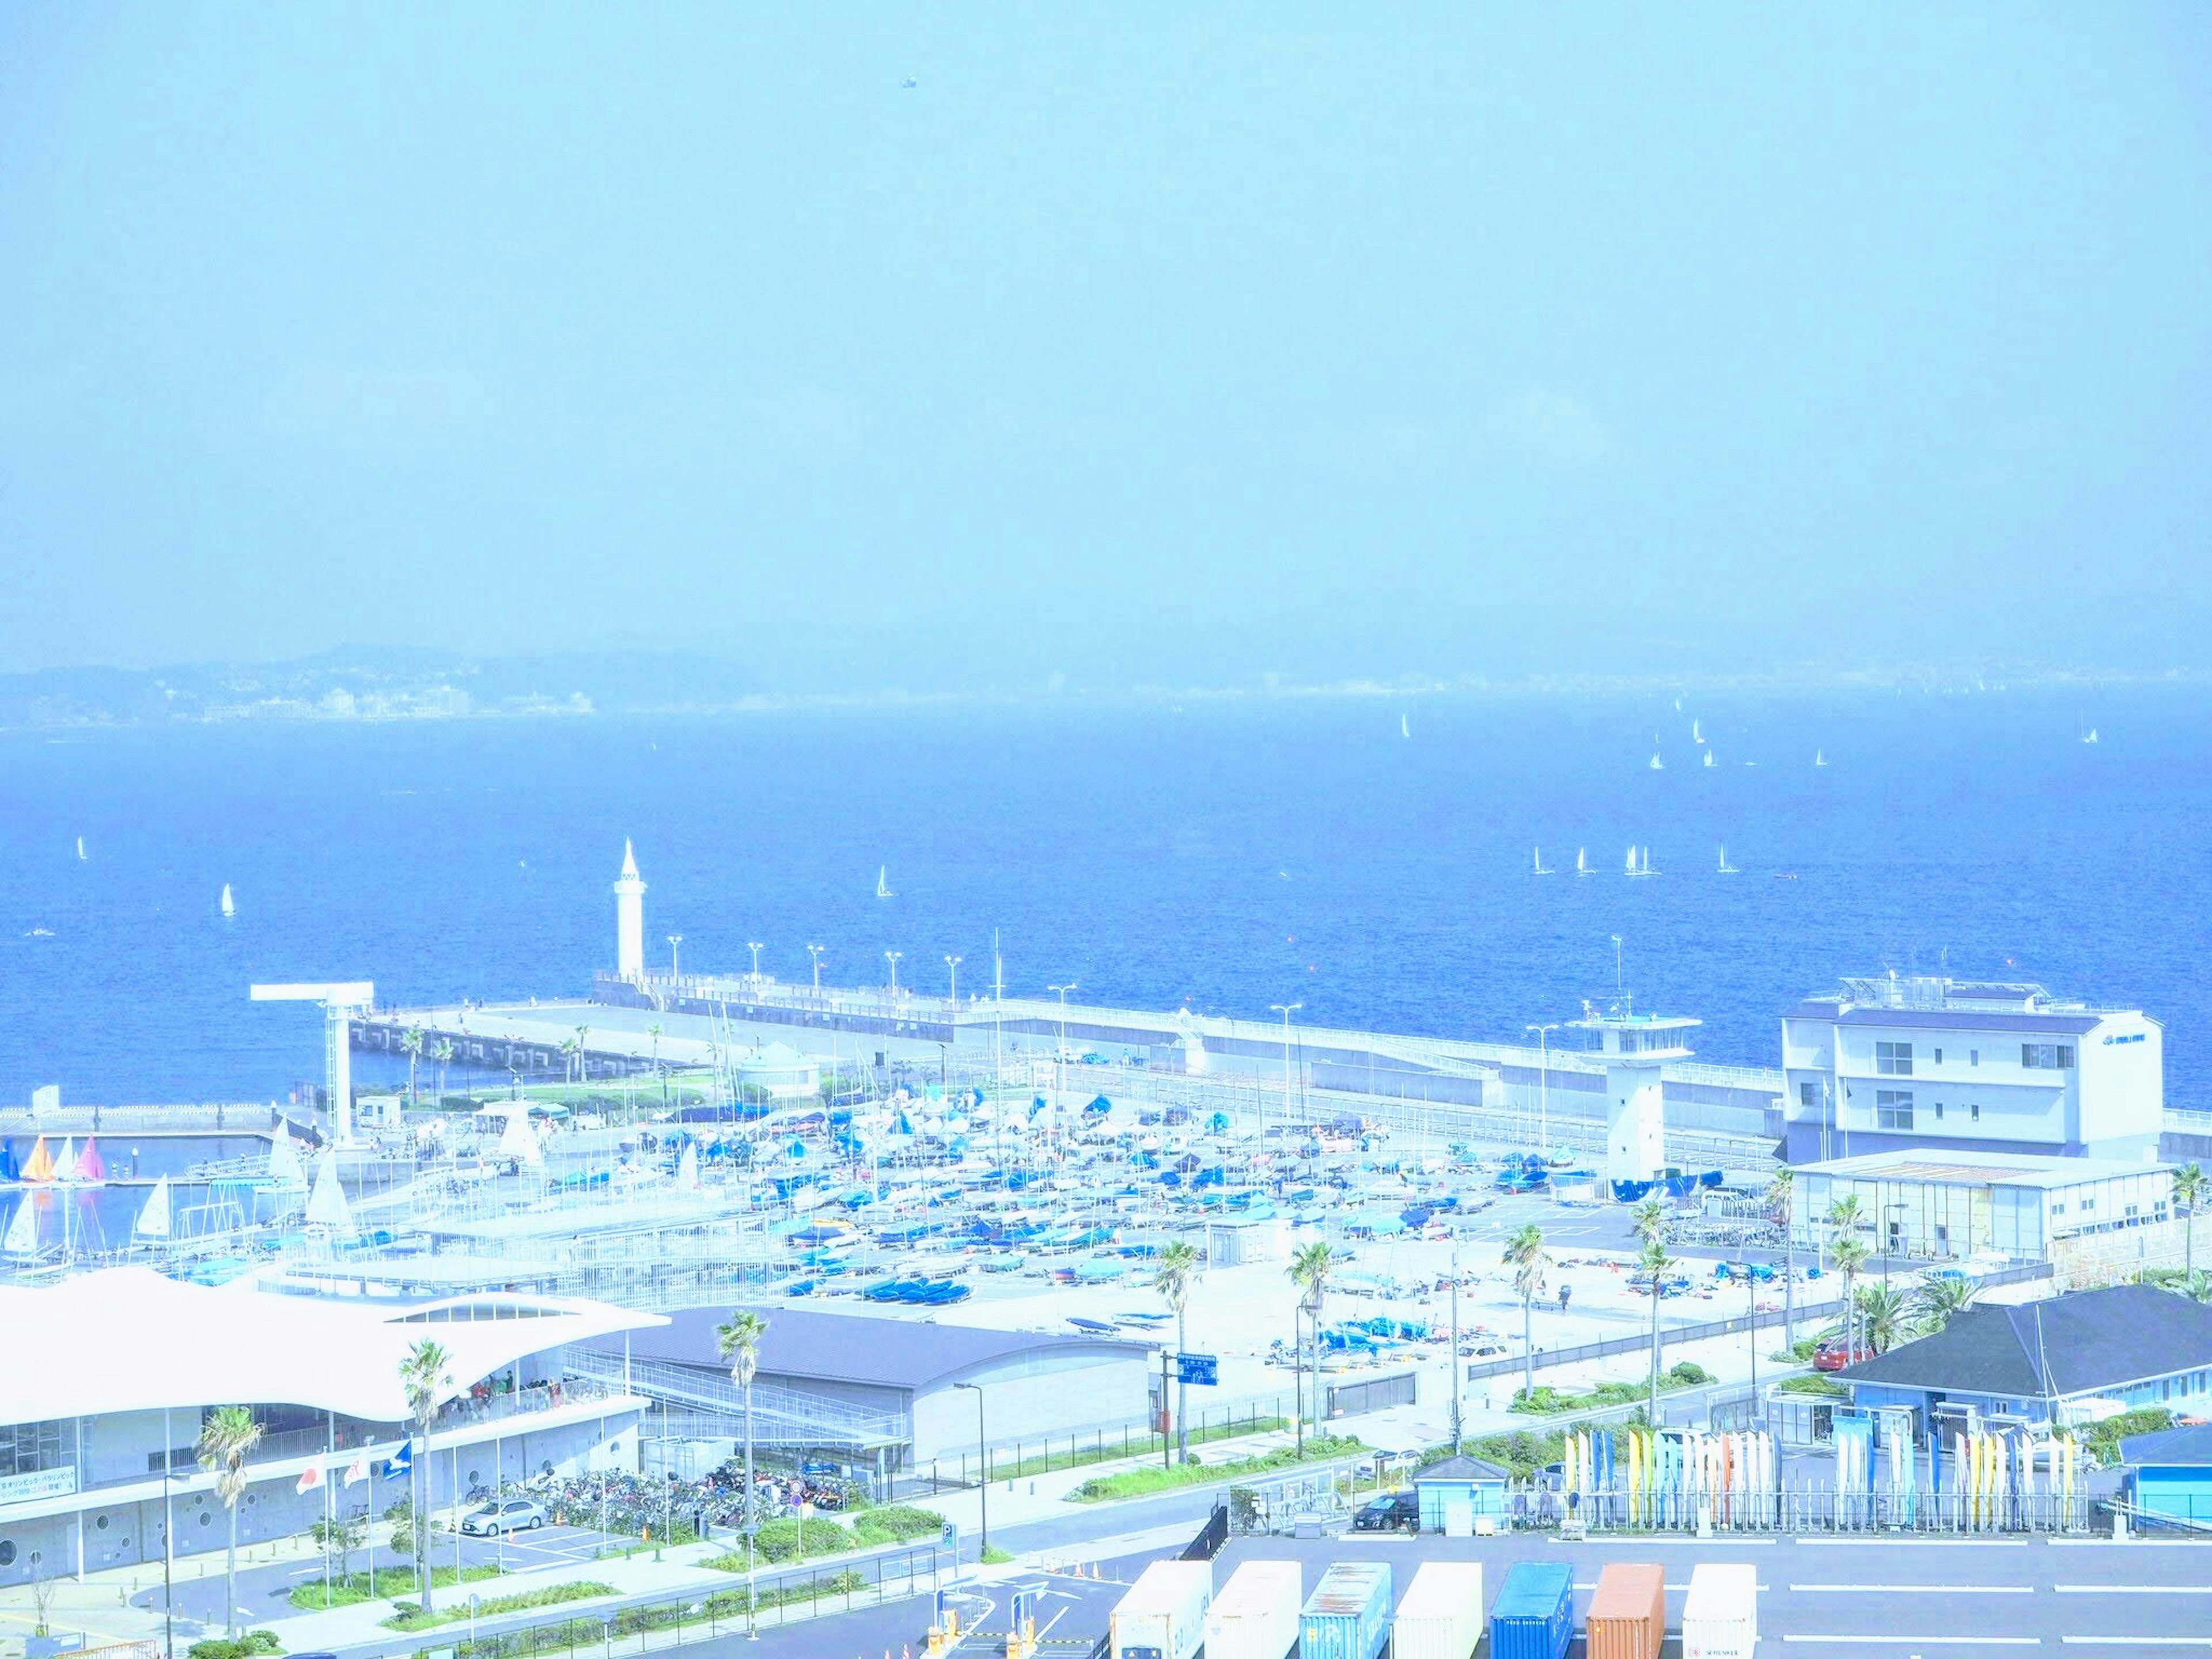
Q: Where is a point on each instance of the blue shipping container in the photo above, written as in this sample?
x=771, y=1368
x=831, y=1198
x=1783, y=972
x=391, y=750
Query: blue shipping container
x=1533, y=1617
x=1348, y=1615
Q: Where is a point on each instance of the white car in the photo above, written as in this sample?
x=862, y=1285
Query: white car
x=514, y=1515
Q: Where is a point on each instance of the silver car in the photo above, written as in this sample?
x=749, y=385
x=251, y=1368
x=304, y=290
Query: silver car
x=514, y=1515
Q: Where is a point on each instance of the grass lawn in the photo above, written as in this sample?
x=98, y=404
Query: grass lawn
x=1136, y=1483
x=778, y=1542
x=392, y=1582
x=457, y=1611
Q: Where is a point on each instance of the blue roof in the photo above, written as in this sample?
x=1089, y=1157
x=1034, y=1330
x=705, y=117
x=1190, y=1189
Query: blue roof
x=2184, y=1448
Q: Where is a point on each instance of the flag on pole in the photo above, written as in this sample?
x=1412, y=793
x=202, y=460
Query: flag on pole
x=357, y=1471
x=402, y=1461
x=310, y=1478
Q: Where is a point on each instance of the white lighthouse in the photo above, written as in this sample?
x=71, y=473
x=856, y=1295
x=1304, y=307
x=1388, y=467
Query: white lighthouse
x=1635, y=1048
x=630, y=919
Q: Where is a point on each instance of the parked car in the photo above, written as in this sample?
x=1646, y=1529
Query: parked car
x=1833, y=1356
x=514, y=1515
x=1395, y=1511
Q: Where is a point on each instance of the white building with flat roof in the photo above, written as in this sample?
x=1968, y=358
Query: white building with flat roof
x=115, y=1370
x=1892, y=1063
x=1936, y=1204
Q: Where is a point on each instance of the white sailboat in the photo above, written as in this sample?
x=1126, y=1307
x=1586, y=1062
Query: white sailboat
x=1405, y=727
x=2091, y=736
x=23, y=1232
x=1728, y=869
x=1581, y=862
x=882, y=884
x=1708, y=758
x=687, y=1169
x=153, y=1215
x=1639, y=861
x=229, y=904
x=1542, y=869
x=326, y=1205
x=285, y=1169
x=80, y=849
x=1819, y=757
x=1658, y=765
x=1697, y=731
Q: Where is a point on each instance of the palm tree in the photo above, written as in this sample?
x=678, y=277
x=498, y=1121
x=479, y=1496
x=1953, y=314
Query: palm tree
x=1649, y=1220
x=1524, y=1253
x=1310, y=1266
x=1938, y=1299
x=1885, y=1316
x=1654, y=1261
x=568, y=1047
x=1175, y=1271
x=443, y=1054
x=2188, y=1186
x=654, y=1031
x=1849, y=1252
x=426, y=1377
x=1781, y=1194
x=228, y=1434
x=583, y=1067
x=411, y=1040
x=738, y=1340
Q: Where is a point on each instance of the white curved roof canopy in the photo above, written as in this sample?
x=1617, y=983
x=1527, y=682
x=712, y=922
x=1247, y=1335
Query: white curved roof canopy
x=128, y=1340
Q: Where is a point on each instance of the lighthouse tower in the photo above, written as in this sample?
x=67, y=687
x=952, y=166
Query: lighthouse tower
x=630, y=919
x=1634, y=1048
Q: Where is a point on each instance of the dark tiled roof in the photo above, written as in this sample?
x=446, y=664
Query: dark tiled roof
x=1461, y=1469
x=2189, y=1448
x=2081, y=1343
x=888, y=1353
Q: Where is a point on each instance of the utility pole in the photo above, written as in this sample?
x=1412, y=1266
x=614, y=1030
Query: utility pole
x=1059, y=1059
x=998, y=1030
x=815, y=951
x=753, y=945
x=1286, y=1010
x=1544, y=1084
x=893, y=958
x=952, y=973
x=1458, y=1377
x=675, y=961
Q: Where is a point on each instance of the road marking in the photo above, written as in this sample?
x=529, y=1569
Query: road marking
x=2133, y=1590
x=1916, y=1589
x=1917, y=1542
x=2139, y=1641
x=1927, y=1641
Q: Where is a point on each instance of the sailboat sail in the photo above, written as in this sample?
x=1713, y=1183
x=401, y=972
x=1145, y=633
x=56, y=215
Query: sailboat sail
x=882, y=881
x=1631, y=860
x=1581, y=862
x=326, y=1205
x=229, y=904
x=65, y=1165
x=687, y=1169
x=285, y=1169
x=1541, y=869
x=23, y=1232
x=41, y=1165
x=89, y=1169
x=80, y=849
x=154, y=1214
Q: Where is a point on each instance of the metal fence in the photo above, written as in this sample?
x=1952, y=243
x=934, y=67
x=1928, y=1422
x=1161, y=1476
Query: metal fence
x=779, y=1598
x=1137, y=1439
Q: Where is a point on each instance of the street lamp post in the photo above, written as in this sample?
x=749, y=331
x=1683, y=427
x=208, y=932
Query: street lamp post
x=1059, y=1059
x=753, y=945
x=1543, y=1086
x=675, y=968
x=952, y=972
x=815, y=951
x=893, y=958
x=982, y=1477
x=1286, y=1010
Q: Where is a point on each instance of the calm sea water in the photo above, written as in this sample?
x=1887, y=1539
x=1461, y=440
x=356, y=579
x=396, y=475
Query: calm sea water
x=1231, y=854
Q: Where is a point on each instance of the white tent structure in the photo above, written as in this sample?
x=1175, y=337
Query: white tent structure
x=518, y=1140
x=326, y=1205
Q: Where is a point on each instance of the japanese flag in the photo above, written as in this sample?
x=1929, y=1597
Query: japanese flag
x=310, y=1478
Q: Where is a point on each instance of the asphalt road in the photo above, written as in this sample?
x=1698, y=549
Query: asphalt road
x=1819, y=1597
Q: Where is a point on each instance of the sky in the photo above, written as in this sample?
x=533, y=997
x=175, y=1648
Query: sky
x=918, y=346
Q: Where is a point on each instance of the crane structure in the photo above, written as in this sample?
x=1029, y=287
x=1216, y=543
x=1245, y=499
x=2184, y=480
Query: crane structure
x=341, y=1001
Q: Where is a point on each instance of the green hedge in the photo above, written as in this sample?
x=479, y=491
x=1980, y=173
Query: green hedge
x=522, y=1601
x=1134, y=1483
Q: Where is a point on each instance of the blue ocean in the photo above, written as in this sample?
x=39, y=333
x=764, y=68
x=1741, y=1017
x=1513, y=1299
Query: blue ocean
x=1371, y=858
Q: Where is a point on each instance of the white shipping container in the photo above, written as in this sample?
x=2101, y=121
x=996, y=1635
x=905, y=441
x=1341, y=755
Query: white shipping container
x=1256, y=1614
x=1720, y=1617
x=1163, y=1614
x=1441, y=1617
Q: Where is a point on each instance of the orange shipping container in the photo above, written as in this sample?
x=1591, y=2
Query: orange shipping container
x=1628, y=1613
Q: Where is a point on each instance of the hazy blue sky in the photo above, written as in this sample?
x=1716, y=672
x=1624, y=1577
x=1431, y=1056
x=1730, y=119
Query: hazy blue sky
x=1447, y=340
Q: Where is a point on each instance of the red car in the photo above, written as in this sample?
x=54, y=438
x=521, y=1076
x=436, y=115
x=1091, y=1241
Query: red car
x=1833, y=1355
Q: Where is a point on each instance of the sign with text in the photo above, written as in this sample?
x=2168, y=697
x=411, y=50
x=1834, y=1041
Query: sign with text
x=1203, y=1369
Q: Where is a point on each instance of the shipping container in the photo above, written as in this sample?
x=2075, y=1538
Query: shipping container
x=1720, y=1619
x=1628, y=1613
x=1441, y=1617
x=1162, y=1616
x=1256, y=1614
x=1348, y=1615
x=1533, y=1617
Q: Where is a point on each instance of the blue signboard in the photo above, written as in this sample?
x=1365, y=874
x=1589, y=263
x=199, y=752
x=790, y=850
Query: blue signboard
x=1203, y=1369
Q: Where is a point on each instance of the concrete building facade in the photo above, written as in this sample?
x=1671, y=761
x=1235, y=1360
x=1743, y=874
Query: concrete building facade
x=1889, y=1064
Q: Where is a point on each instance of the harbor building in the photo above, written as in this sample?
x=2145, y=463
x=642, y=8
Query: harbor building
x=99, y=1430
x=1635, y=1048
x=892, y=1394
x=1924, y=1062
x=2070, y=1358
x=1933, y=1205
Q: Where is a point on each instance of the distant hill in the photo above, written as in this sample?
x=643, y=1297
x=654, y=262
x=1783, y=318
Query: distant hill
x=359, y=682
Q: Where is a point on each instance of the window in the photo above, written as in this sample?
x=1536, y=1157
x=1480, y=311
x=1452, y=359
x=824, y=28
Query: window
x=1939, y=1056
x=27, y=1448
x=1973, y=1056
x=1976, y=1109
x=1893, y=1059
x=1893, y=1109
x=1939, y=1111
x=1808, y=1095
x=2047, y=1056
